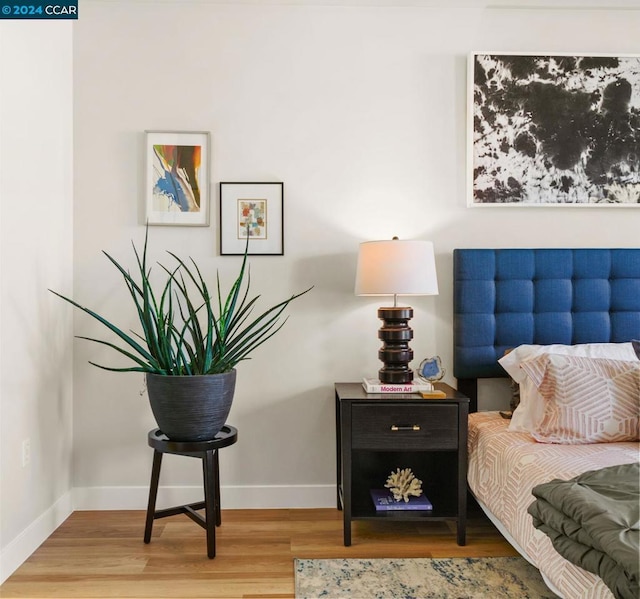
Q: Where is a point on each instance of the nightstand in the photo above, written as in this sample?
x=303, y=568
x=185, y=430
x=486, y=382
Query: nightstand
x=378, y=433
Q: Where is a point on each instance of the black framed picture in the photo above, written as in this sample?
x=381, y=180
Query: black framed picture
x=254, y=211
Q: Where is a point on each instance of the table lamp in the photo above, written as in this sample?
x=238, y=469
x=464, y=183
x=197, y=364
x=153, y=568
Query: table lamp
x=396, y=267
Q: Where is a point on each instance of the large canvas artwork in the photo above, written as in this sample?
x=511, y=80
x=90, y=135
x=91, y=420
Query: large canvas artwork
x=561, y=130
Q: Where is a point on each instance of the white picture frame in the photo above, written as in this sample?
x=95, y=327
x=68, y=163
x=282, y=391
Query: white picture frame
x=539, y=130
x=177, y=190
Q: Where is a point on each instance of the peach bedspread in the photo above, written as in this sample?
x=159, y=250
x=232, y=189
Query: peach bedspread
x=503, y=468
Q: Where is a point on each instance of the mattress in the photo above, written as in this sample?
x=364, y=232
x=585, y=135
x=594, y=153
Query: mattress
x=503, y=468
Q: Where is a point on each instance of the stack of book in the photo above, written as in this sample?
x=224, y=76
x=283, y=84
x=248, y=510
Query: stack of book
x=384, y=501
x=375, y=386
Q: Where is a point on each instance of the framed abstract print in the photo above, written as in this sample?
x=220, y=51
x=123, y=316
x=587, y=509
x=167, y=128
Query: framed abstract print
x=252, y=211
x=553, y=130
x=177, y=178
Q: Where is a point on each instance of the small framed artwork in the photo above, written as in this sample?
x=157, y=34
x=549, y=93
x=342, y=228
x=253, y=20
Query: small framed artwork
x=177, y=178
x=253, y=211
x=553, y=130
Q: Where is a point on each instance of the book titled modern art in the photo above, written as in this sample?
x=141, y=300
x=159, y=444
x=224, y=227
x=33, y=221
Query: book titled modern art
x=375, y=386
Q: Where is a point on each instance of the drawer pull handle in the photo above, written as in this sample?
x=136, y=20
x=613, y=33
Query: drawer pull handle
x=395, y=427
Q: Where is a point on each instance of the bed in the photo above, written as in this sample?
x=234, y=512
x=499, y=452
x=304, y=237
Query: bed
x=528, y=299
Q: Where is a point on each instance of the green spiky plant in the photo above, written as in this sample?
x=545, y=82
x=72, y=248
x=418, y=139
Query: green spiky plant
x=182, y=333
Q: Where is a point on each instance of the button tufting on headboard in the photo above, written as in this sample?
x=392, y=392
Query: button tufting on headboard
x=507, y=297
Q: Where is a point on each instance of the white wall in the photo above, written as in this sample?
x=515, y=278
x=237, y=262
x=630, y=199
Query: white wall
x=36, y=230
x=360, y=111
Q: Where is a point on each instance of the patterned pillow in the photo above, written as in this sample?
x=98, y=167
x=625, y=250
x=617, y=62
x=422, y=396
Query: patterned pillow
x=586, y=400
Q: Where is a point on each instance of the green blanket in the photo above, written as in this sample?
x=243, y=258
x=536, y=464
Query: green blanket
x=593, y=521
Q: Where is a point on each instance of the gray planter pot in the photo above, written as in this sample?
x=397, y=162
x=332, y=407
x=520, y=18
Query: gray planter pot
x=191, y=408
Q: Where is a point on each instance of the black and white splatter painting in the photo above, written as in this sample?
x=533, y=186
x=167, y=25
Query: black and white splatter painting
x=555, y=130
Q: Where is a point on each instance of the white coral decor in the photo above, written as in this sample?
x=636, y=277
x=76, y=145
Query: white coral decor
x=403, y=483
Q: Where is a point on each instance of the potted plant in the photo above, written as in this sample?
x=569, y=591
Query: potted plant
x=190, y=342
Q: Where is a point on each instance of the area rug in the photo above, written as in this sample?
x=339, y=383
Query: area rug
x=450, y=578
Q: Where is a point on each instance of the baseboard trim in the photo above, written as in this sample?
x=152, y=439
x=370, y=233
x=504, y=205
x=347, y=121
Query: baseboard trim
x=19, y=549
x=232, y=497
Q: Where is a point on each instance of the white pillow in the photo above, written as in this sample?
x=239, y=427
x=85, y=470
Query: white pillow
x=616, y=351
x=528, y=413
x=529, y=410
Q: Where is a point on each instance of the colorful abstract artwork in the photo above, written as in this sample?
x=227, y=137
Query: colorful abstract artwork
x=177, y=169
x=559, y=130
x=177, y=178
x=252, y=219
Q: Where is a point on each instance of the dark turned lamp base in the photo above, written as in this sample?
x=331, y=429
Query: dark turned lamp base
x=395, y=352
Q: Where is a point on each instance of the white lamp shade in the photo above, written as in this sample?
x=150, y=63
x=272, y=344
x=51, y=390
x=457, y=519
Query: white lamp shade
x=396, y=267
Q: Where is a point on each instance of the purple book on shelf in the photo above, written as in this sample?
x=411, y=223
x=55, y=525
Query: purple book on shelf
x=384, y=501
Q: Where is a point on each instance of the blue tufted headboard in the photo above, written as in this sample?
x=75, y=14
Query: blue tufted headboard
x=507, y=297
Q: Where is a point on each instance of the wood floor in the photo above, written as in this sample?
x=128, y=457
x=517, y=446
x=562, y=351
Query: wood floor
x=101, y=554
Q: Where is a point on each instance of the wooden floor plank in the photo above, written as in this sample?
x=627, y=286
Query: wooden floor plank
x=101, y=554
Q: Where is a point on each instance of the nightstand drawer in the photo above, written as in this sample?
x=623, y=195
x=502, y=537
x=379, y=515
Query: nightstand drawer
x=400, y=427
